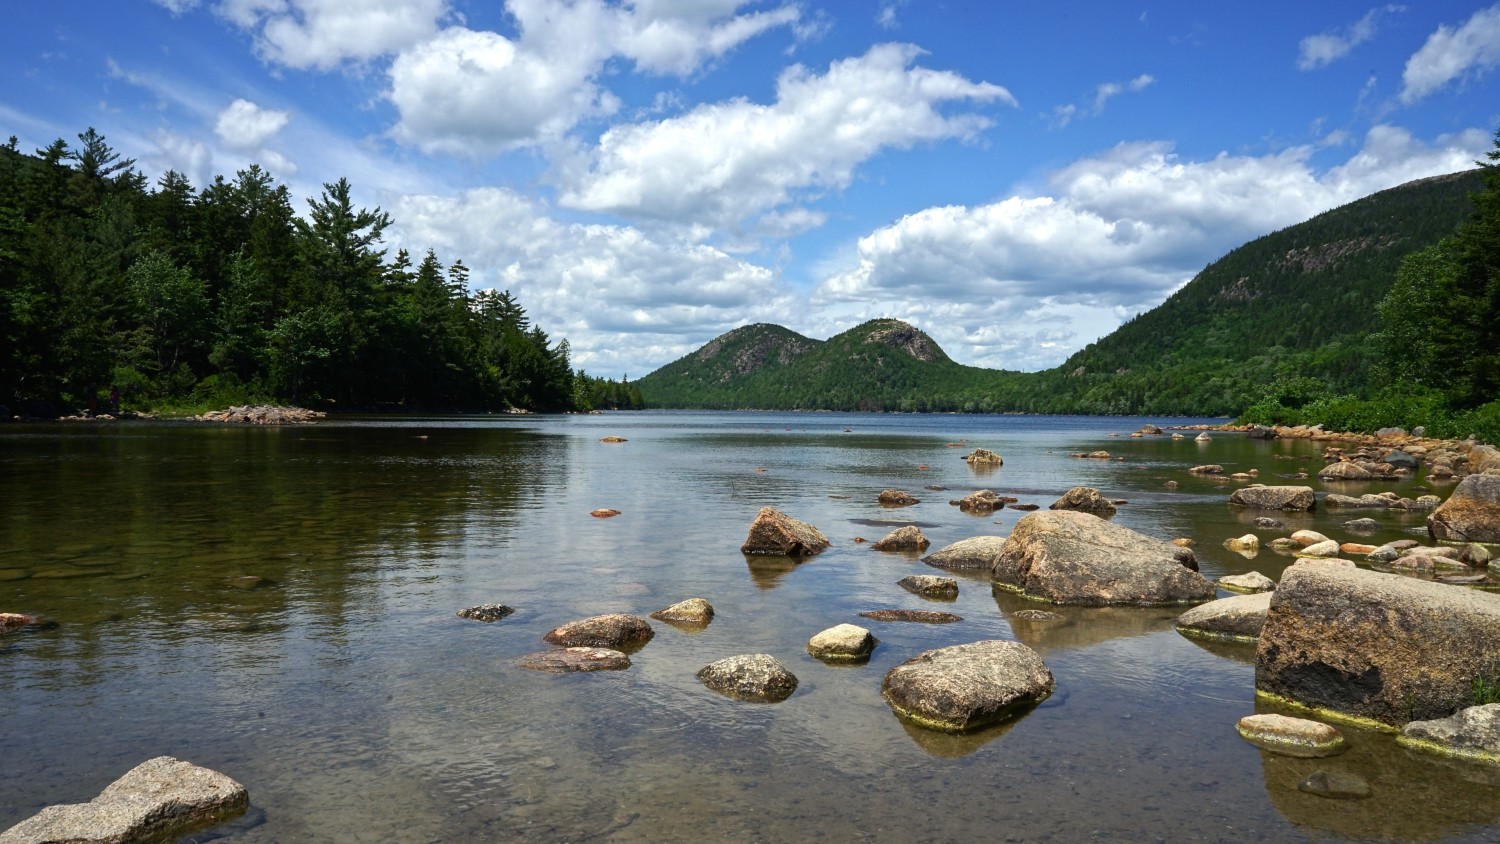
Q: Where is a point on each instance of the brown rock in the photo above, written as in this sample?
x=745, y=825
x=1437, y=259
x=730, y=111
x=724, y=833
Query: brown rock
x=1471, y=513
x=774, y=532
x=612, y=439
x=930, y=586
x=604, y=514
x=984, y=457
x=694, y=612
x=569, y=660
x=918, y=616
x=897, y=498
x=981, y=501
x=907, y=538
x=10, y=621
x=966, y=687
x=615, y=631
x=1292, y=736
x=1085, y=499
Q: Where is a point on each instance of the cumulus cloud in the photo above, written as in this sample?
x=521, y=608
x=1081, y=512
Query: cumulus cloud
x=245, y=125
x=1472, y=48
x=621, y=297
x=1315, y=51
x=323, y=34
x=1117, y=234
x=723, y=163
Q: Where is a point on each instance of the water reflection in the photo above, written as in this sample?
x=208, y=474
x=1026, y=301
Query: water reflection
x=1046, y=627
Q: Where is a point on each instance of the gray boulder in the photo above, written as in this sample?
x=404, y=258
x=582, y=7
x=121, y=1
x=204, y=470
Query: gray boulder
x=615, y=631
x=1375, y=646
x=897, y=498
x=774, y=532
x=1275, y=497
x=979, y=553
x=570, y=660
x=1248, y=583
x=1085, y=499
x=1068, y=557
x=1471, y=513
x=908, y=538
x=1345, y=471
x=160, y=799
x=1235, y=619
x=1400, y=459
x=1472, y=733
x=842, y=642
x=965, y=687
x=1362, y=525
x=757, y=677
x=693, y=612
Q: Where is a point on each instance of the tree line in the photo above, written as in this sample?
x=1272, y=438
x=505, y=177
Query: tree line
x=176, y=296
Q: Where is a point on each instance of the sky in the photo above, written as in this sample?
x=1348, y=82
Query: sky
x=1017, y=179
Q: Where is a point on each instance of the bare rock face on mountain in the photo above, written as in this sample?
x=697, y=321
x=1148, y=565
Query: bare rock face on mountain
x=746, y=350
x=900, y=335
x=1068, y=557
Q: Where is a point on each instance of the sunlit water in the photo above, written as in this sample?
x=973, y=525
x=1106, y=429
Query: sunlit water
x=355, y=706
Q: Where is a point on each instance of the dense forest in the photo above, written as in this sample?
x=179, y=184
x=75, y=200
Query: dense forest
x=177, y=297
x=1381, y=312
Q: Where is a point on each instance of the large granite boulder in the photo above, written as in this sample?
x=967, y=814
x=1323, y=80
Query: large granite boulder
x=1345, y=471
x=1472, y=733
x=1085, y=499
x=1275, y=497
x=1471, y=513
x=1373, y=646
x=842, y=642
x=1068, y=557
x=757, y=677
x=978, y=552
x=908, y=538
x=1235, y=619
x=965, y=687
x=615, y=631
x=160, y=799
x=774, y=532
x=1482, y=458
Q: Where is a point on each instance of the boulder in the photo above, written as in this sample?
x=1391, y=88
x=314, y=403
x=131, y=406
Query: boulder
x=1335, y=785
x=1268, y=523
x=1274, y=497
x=486, y=612
x=984, y=457
x=1261, y=432
x=1234, y=619
x=1471, y=513
x=897, y=498
x=908, y=538
x=1345, y=471
x=1085, y=499
x=1209, y=469
x=1247, y=583
x=981, y=501
x=1483, y=458
x=570, y=660
x=1292, y=736
x=1362, y=525
x=1399, y=459
x=1374, y=646
x=979, y=552
x=616, y=631
x=774, y=532
x=930, y=586
x=160, y=799
x=10, y=621
x=1149, y=429
x=604, y=513
x=1068, y=557
x=842, y=642
x=1305, y=538
x=693, y=612
x=1472, y=733
x=756, y=677
x=918, y=616
x=965, y=687
x=1249, y=542
x=1326, y=548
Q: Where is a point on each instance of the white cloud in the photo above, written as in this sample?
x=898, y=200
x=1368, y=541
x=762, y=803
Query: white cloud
x=886, y=16
x=177, y=7
x=621, y=297
x=1064, y=114
x=727, y=162
x=1119, y=233
x=323, y=34
x=1471, y=49
x=1315, y=51
x=245, y=125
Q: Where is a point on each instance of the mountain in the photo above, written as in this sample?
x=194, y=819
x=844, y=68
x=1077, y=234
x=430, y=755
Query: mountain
x=1299, y=302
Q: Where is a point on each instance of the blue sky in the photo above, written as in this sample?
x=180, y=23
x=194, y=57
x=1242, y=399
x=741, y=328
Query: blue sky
x=1016, y=179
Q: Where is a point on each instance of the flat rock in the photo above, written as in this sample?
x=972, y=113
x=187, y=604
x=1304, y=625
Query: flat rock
x=615, y=631
x=1472, y=733
x=604, y=513
x=160, y=799
x=1362, y=525
x=1335, y=785
x=908, y=538
x=774, y=532
x=918, y=616
x=1374, y=646
x=842, y=642
x=1471, y=513
x=975, y=553
x=569, y=660
x=1085, y=499
x=1292, y=736
x=897, y=498
x=1294, y=498
x=1207, y=469
x=1235, y=619
x=930, y=586
x=1068, y=557
x=965, y=687
x=1250, y=582
x=695, y=612
x=485, y=612
x=753, y=677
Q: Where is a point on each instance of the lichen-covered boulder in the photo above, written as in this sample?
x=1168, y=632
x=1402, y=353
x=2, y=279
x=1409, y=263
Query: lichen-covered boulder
x=842, y=642
x=1471, y=513
x=908, y=538
x=1374, y=646
x=1292, y=736
x=1085, y=499
x=774, y=532
x=1068, y=557
x=615, y=631
x=693, y=612
x=1234, y=619
x=755, y=677
x=1472, y=733
x=570, y=660
x=977, y=553
x=1274, y=497
x=160, y=799
x=965, y=687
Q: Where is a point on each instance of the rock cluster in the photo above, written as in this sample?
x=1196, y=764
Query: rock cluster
x=263, y=415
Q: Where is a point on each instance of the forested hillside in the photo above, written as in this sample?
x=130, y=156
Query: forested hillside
x=180, y=295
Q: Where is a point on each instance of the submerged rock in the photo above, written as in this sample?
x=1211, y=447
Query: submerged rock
x=1268, y=523
x=1085, y=499
x=696, y=612
x=979, y=552
x=1335, y=785
x=569, y=660
x=1292, y=736
x=1472, y=733
x=919, y=616
x=774, y=532
x=1234, y=619
x=966, y=687
x=486, y=612
x=1471, y=513
x=615, y=631
x=160, y=799
x=908, y=538
x=930, y=586
x=842, y=642
x=753, y=677
x=1075, y=558
x=1275, y=497
x=10, y=621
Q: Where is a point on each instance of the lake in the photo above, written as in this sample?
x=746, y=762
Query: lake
x=279, y=604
